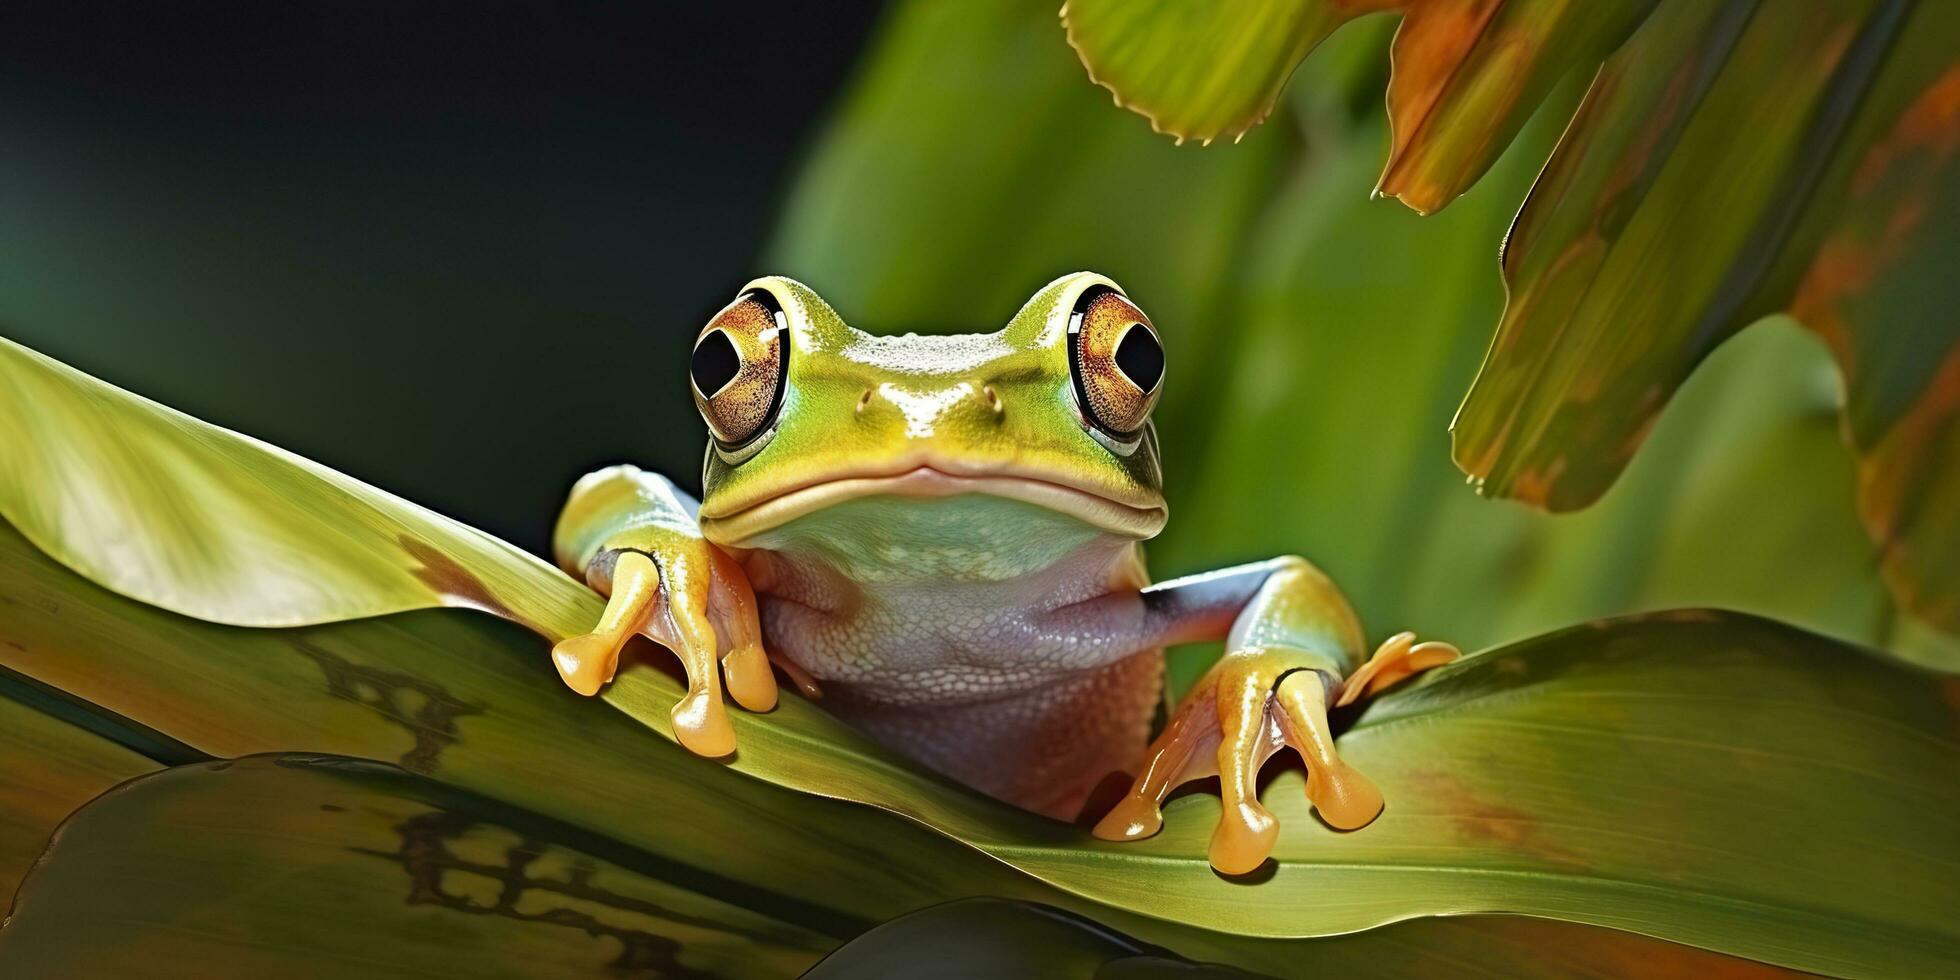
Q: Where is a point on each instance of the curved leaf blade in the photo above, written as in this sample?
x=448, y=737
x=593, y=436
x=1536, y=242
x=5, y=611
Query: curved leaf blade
x=1199, y=70
x=200, y=520
x=1468, y=75
x=1655, y=234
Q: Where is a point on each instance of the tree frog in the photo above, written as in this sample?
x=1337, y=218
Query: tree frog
x=945, y=533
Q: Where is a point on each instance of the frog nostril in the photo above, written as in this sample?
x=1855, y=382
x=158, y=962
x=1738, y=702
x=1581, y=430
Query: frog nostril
x=993, y=400
x=863, y=400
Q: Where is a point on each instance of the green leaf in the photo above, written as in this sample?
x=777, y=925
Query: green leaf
x=1655, y=234
x=1198, y=70
x=300, y=865
x=124, y=491
x=1713, y=733
x=1467, y=75
x=984, y=939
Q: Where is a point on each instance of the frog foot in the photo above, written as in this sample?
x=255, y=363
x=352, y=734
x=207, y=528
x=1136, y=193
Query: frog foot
x=676, y=590
x=1252, y=703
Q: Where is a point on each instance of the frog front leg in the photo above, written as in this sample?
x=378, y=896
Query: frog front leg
x=632, y=536
x=1290, y=645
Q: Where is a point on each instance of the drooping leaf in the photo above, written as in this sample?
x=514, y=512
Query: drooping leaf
x=1200, y=70
x=1732, y=739
x=182, y=514
x=1467, y=74
x=1657, y=232
x=1332, y=432
x=1731, y=159
x=316, y=866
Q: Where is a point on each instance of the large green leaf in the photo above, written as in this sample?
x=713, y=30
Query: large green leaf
x=296, y=865
x=1713, y=733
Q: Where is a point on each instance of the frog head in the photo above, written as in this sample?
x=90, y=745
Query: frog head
x=822, y=432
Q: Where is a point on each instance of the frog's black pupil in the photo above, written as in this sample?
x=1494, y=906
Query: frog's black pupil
x=1139, y=357
x=715, y=362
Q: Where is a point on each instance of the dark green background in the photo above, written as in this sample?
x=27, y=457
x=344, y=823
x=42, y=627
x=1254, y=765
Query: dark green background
x=454, y=249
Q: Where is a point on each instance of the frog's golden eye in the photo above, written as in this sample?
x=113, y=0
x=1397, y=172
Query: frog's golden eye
x=740, y=367
x=1116, y=359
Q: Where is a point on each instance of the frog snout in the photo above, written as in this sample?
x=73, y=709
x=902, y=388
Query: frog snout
x=925, y=411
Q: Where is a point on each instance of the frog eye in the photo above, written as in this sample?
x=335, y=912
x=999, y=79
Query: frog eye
x=1116, y=359
x=740, y=367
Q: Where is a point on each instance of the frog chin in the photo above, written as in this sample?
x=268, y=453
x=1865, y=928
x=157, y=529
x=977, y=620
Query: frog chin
x=738, y=528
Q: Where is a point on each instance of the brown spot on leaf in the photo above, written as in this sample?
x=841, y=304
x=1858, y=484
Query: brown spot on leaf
x=462, y=587
x=424, y=708
x=1478, y=820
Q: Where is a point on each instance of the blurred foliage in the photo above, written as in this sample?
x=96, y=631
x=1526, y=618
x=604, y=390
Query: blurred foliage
x=1317, y=340
x=1730, y=159
x=1712, y=732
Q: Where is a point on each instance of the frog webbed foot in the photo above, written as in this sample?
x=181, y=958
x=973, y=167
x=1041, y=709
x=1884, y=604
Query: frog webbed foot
x=1252, y=703
x=688, y=596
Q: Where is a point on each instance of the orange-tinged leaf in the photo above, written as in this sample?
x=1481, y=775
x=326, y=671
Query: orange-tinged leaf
x=1872, y=292
x=1656, y=232
x=1467, y=73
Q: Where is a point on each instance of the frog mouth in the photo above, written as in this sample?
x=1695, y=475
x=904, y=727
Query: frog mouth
x=1090, y=507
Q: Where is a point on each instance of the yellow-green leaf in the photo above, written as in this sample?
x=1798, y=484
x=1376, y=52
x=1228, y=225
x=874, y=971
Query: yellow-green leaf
x=182, y=514
x=1199, y=70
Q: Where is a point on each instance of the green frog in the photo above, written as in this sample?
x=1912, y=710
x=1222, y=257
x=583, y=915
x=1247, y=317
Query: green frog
x=943, y=536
